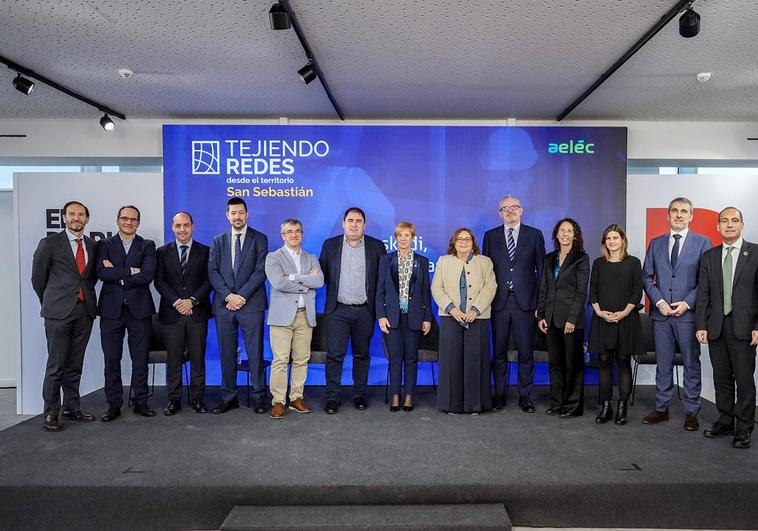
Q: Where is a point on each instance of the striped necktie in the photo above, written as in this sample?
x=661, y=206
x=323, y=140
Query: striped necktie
x=511, y=252
x=183, y=259
x=237, y=254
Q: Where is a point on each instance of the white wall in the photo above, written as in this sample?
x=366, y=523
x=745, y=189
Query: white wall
x=9, y=320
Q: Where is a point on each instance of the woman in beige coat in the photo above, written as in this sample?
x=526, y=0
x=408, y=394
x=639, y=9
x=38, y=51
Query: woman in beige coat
x=463, y=287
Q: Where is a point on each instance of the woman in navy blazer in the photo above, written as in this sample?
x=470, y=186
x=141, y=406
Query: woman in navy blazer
x=560, y=314
x=404, y=311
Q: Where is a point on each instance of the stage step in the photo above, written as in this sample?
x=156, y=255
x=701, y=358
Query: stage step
x=468, y=517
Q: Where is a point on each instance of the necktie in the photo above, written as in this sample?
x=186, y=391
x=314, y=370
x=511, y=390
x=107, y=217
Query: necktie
x=80, y=265
x=511, y=253
x=727, y=275
x=183, y=259
x=675, y=251
x=237, y=254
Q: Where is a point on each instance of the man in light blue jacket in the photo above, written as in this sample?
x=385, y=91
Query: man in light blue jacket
x=294, y=275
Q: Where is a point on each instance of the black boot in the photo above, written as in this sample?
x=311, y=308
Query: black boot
x=621, y=413
x=606, y=413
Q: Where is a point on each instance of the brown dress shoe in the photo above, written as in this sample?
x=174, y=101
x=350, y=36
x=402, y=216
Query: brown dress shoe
x=277, y=412
x=691, y=423
x=300, y=406
x=51, y=423
x=655, y=417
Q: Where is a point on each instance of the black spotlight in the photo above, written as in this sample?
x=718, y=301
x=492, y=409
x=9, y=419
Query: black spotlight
x=308, y=73
x=689, y=23
x=23, y=85
x=278, y=17
x=106, y=123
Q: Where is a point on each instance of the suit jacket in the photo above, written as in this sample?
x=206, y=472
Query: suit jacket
x=660, y=282
x=563, y=299
x=250, y=282
x=285, y=293
x=119, y=284
x=710, y=293
x=419, y=292
x=172, y=285
x=526, y=269
x=331, y=263
x=481, y=288
x=56, y=278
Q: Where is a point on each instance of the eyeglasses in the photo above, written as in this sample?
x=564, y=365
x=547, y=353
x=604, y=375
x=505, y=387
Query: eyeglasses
x=512, y=208
x=463, y=240
x=290, y=232
x=124, y=219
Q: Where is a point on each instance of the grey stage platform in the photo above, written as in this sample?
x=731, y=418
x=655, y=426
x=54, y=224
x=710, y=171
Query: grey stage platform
x=190, y=470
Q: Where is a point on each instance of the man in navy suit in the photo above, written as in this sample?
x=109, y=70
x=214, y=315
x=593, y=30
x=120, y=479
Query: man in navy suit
x=670, y=277
x=350, y=263
x=126, y=264
x=237, y=271
x=518, y=253
x=182, y=281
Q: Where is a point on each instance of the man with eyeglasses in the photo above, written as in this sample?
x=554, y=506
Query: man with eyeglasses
x=518, y=253
x=294, y=275
x=126, y=264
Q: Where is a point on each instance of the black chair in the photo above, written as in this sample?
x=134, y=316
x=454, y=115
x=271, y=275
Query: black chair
x=428, y=351
x=157, y=354
x=319, y=347
x=649, y=358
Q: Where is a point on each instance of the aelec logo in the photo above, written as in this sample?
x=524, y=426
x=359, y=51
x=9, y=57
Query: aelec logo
x=571, y=147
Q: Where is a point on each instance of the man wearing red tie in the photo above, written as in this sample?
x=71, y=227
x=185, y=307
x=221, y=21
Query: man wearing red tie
x=63, y=276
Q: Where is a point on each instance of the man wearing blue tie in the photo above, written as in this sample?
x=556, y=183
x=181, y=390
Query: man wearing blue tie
x=670, y=278
x=236, y=269
x=518, y=254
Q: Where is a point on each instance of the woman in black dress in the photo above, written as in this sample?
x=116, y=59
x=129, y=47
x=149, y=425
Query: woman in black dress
x=560, y=314
x=615, y=293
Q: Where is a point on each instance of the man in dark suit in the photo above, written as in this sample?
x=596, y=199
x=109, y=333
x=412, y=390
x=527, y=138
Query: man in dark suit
x=727, y=321
x=126, y=264
x=237, y=271
x=350, y=263
x=672, y=263
x=518, y=253
x=182, y=281
x=63, y=276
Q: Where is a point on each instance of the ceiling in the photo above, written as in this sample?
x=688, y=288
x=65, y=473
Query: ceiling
x=383, y=59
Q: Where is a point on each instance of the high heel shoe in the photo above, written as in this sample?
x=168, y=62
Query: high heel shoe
x=407, y=406
x=395, y=403
x=606, y=413
x=620, y=419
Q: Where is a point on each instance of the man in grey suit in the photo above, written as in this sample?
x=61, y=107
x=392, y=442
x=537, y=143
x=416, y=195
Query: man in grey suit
x=63, y=276
x=294, y=276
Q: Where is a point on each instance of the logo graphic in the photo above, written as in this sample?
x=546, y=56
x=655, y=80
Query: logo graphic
x=572, y=147
x=205, y=157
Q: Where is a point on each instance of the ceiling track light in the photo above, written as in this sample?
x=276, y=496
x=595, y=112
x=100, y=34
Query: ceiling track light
x=278, y=17
x=23, y=85
x=689, y=23
x=106, y=123
x=308, y=72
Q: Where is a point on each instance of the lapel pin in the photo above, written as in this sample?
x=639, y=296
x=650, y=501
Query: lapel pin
x=744, y=253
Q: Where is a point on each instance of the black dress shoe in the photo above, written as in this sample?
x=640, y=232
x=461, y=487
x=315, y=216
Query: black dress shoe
x=360, y=403
x=570, y=415
x=172, y=408
x=719, y=430
x=111, y=414
x=332, y=406
x=553, y=410
x=395, y=409
x=77, y=415
x=226, y=405
x=259, y=406
x=51, y=423
x=606, y=413
x=621, y=412
x=742, y=439
x=198, y=405
x=498, y=404
x=144, y=410
x=526, y=405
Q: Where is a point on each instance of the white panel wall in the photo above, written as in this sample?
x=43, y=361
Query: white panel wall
x=9, y=319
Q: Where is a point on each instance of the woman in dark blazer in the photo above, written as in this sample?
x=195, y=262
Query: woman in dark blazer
x=404, y=311
x=560, y=314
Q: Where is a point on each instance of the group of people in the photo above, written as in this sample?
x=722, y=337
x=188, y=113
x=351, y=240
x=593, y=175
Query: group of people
x=509, y=287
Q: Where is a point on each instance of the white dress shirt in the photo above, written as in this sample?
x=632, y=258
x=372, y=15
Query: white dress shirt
x=516, y=230
x=735, y=255
x=243, y=232
x=74, y=246
x=296, y=255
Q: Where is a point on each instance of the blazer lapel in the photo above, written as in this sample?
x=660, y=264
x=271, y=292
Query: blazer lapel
x=395, y=269
x=290, y=261
x=65, y=248
x=741, y=262
x=520, y=243
x=414, y=272
x=568, y=262
x=246, y=244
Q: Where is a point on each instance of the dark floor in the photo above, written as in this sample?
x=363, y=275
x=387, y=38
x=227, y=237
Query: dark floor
x=547, y=471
